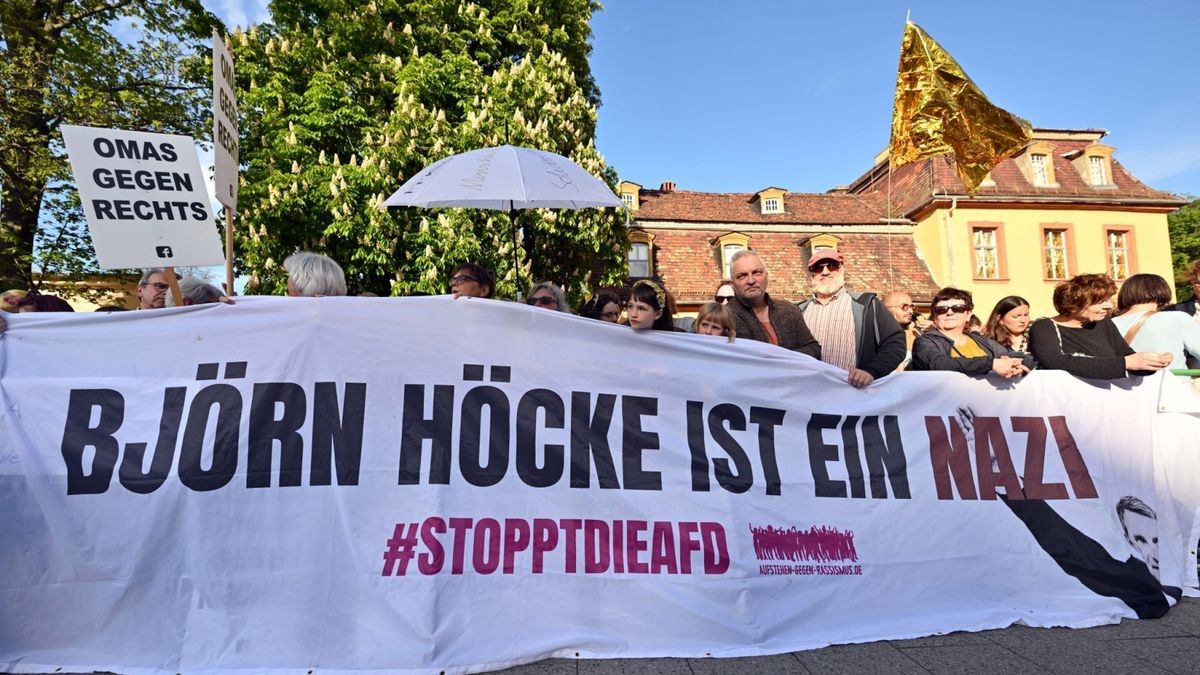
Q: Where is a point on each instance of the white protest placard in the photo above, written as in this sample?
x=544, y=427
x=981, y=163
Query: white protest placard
x=144, y=198
x=225, y=125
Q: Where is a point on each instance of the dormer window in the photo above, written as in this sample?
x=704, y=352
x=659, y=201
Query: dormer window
x=1041, y=175
x=1096, y=170
x=1037, y=164
x=629, y=191
x=770, y=200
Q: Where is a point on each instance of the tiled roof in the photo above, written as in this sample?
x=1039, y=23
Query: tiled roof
x=743, y=207
x=913, y=185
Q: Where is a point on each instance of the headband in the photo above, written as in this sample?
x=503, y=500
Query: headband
x=659, y=293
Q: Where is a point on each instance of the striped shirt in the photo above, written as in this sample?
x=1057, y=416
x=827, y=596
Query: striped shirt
x=832, y=323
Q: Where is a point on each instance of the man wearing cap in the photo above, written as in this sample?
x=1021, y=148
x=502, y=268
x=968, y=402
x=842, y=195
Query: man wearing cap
x=758, y=317
x=856, y=332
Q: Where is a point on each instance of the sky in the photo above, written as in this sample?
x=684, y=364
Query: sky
x=726, y=96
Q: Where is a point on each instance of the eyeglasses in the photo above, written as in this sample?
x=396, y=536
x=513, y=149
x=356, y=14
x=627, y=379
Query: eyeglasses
x=461, y=279
x=542, y=301
x=610, y=315
x=722, y=299
x=158, y=285
x=831, y=265
x=942, y=310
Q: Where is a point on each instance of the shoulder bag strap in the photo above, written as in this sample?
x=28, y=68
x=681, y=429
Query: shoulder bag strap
x=1137, y=326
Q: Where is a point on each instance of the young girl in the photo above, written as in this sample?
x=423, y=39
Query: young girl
x=648, y=309
x=715, y=319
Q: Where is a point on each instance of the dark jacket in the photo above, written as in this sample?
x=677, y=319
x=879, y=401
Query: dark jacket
x=932, y=351
x=879, y=339
x=1188, y=306
x=786, y=319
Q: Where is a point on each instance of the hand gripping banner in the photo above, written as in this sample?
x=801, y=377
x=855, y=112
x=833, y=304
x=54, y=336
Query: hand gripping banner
x=435, y=485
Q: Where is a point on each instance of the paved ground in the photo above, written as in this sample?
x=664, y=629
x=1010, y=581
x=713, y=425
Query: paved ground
x=1167, y=645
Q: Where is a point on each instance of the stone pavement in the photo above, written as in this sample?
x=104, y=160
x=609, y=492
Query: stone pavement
x=1167, y=645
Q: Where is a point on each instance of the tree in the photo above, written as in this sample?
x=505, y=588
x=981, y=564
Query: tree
x=342, y=100
x=130, y=64
x=1184, y=228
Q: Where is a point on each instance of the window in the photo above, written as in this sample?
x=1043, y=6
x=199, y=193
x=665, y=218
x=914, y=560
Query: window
x=627, y=199
x=1117, y=252
x=1096, y=170
x=639, y=259
x=771, y=206
x=987, y=258
x=727, y=252
x=1055, y=248
x=1041, y=175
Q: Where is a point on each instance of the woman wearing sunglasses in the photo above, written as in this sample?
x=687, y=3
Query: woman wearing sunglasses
x=548, y=295
x=1082, y=340
x=950, y=346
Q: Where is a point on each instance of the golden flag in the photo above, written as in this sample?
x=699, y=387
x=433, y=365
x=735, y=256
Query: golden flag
x=939, y=110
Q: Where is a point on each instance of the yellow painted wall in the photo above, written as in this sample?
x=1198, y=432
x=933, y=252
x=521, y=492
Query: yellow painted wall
x=1023, y=254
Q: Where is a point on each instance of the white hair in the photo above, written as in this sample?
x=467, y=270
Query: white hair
x=199, y=291
x=314, y=275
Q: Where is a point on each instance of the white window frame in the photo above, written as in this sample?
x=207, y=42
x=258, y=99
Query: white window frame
x=772, y=205
x=1117, y=251
x=631, y=260
x=1037, y=166
x=987, y=250
x=1097, y=170
x=1055, y=253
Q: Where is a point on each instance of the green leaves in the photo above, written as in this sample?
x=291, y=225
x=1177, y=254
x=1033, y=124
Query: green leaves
x=343, y=101
x=135, y=66
x=1184, y=228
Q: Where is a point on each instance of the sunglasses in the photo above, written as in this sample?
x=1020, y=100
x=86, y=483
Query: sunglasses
x=831, y=265
x=722, y=299
x=461, y=279
x=542, y=301
x=942, y=310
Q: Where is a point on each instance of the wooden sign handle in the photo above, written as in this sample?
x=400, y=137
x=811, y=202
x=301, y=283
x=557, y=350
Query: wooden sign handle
x=173, y=281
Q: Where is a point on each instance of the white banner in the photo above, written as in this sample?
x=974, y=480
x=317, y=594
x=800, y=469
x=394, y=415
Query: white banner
x=225, y=125
x=144, y=198
x=435, y=485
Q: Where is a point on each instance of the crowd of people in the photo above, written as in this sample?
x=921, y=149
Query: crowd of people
x=866, y=335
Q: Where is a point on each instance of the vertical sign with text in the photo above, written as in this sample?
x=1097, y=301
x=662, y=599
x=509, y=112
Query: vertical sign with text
x=225, y=126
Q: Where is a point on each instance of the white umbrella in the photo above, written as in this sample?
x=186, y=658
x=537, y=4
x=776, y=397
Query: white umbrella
x=504, y=178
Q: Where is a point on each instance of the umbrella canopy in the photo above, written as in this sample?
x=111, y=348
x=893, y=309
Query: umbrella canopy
x=504, y=178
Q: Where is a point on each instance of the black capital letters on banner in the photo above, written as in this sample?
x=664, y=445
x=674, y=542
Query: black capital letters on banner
x=78, y=435
x=885, y=457
x=416, y=428
x=736, y=480
x=820, y=452
x=527, y=412
x=589, y=440
x=470, y=461
x=635, y=440
x=767, y=419
x=228, y=401
x=132, y=476
x=337, y=438
x=265, y=429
